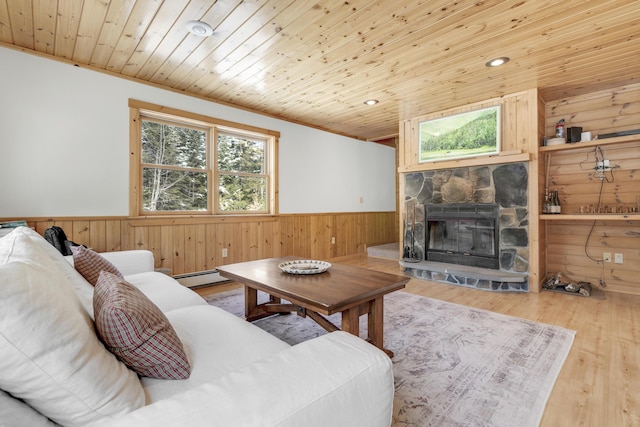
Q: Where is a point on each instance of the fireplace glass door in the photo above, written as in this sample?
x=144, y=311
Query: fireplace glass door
x=464, y=236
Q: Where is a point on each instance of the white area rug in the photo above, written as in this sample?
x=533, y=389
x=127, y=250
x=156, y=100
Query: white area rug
x=453, y=365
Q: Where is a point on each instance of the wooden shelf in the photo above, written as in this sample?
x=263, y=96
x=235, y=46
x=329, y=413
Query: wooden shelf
x=591, y=217
x=509, y=157
x=591, y=144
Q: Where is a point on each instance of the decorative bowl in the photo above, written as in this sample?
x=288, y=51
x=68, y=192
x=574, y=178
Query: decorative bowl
x=304, y=266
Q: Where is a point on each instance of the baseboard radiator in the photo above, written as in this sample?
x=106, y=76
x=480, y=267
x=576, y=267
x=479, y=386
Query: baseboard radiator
x=200, y=278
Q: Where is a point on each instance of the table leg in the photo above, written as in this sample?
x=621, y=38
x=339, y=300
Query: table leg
x=351, y=321
x=250, y=301
x=376, y=324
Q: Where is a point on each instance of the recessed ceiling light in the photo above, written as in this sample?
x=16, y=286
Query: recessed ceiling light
x=371, y=102
x=497, y=62
x=199, y=28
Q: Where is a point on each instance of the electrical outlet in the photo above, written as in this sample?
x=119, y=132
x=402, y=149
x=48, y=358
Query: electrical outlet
x=619, y=259
x=606, y=256
x=225, y=252
x=333, y=240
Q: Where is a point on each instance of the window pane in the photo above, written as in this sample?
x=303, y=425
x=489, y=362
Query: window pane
x=173, y=190
x=242, y=193
x=240, y=154
x=164, y=144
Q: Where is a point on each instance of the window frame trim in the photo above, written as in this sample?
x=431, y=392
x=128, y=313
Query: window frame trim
x=139, y=109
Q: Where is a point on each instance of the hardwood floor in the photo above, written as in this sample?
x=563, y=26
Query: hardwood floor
x=599, y=384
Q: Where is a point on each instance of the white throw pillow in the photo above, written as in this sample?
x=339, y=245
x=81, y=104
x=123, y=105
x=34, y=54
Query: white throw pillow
x=84, y=290
x=50, y=356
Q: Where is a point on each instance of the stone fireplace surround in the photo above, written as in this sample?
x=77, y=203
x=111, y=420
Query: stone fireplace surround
x=504, y=185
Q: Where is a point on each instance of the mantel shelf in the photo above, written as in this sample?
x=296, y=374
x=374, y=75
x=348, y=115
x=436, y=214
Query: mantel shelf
x=591, y=217
x=591, y=144
x=510, y=157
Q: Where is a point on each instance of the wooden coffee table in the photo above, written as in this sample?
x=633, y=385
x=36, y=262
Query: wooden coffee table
x=344, y=289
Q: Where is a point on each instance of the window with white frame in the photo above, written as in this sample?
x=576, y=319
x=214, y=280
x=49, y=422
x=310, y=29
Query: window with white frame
x=183, y=163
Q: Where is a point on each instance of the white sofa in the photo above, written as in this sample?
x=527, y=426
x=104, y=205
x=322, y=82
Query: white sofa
x=241, y=375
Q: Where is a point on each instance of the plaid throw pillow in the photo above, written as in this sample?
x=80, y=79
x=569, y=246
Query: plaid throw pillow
x=136, y=331
x=90, y=264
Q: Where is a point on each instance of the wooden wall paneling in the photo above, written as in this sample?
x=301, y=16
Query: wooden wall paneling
x=245, y=240
x=189, y=247
x=197, y=245
x=256, y=235
x=320, y=230
x=41, y=225
x=315, y=235
x=201, y=247
x=526, y=139
x=510, y=124
x=567, y=242
x=272, y=237
x=78, y=231
x=292, y=233
x=97, y=231
x=540, y=160
x=573, y=174
x=141, y=238
x=265, y=249
x=285, y=234
x=112, y=235
x=155, y=244
x=599, y=112
x=210, y=246
x=165, y=258
x=381, y=229
x=352, y=231
x=220, y=243
x=127, y=236
x=178, y=249
x=345, y=232
x=299, y=237
x=232, y=239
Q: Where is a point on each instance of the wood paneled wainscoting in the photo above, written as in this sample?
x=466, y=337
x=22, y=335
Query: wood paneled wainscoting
x=185, y=245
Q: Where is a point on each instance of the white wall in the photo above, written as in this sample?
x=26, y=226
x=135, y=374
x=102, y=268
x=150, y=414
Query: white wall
x=64, y=143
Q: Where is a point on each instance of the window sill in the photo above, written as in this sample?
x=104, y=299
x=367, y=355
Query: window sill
x=144, y=221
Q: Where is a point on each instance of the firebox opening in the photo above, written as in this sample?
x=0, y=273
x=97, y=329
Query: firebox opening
x=462, y=234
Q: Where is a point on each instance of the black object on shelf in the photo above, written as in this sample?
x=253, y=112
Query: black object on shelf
x=621, y=133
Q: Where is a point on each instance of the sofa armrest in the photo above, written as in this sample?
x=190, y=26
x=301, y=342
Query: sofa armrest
x=131, y=262
x=335, y=379
x=128, y=262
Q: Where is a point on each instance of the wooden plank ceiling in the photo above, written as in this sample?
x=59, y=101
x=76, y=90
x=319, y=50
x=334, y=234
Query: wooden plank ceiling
x=315, y=62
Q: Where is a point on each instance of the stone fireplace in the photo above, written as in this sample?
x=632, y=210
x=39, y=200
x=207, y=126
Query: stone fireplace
x=469, y=226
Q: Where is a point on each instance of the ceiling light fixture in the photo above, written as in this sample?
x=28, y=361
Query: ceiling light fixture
x=371, y=102
x=199, y=28
x=497, y=62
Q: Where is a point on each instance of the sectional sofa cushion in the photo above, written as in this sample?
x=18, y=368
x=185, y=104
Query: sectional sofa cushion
x=165, y=291
x=15, y=409
x=212, y=334
x=50, y=356
x=90, y=264
x=136, y=331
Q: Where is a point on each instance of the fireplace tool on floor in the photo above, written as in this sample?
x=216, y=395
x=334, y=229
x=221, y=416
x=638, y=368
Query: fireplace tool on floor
x=409, y=252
